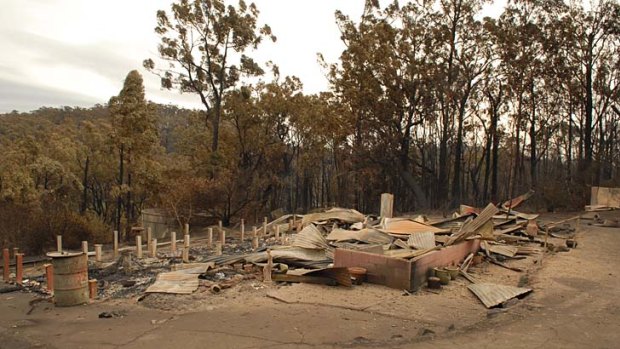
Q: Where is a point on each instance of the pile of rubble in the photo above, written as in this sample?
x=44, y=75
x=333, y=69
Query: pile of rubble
x=343, y=246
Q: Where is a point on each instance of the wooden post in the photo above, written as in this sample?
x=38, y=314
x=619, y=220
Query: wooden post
x=115, y=243
x=19, y=268
x=59, y=243
x=186, y=230
x=49, y=277
x=5, y=264
x=254, y=239
x=387, y=206
x=265, y=226
x=186, y=241
x=290, y=226
x=277, y=232
x=242, y=230
x=173, y=242
x=85, y=247
x=210, y=238
x=223, y=238
x=218, y=248
x=98, y=252
x=294, y=223
x=154, y=248
x=185, y=254
x=149, y=240
x=268, y=268
x=138, y=246
x=92, y=288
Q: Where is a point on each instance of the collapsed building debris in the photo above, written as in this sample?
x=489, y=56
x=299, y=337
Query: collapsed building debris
x=336, y=247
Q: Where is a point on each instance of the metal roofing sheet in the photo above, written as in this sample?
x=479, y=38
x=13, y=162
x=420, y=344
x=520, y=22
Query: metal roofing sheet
x=340, y=214
x=406, y=226
x=310, y=237
x=177, y=282
x=365, y=235
x=504, y=250
x=421, y=240
x=492, y=294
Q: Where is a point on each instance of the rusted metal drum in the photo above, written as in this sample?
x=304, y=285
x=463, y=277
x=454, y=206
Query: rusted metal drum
x=70, y=278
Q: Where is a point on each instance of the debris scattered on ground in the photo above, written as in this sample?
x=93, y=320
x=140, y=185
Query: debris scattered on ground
x=342, y=247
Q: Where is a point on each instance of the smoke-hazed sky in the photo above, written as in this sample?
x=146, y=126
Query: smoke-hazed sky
x=77, y=52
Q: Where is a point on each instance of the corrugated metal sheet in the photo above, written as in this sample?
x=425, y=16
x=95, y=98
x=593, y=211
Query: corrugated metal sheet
x=484, y=216
x=364, y=235
x=177, y=282
x=504, y=250
x=405, y=226
x=310, y=237
x=340, y=214
x=452, y=223
x=492, y=294
x=400, y=244
x=475, y=225
x=421, y=240
x=518, y=200
x=193, y=268
x=288, y=253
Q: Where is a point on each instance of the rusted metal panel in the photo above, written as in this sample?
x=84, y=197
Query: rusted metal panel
x=518, y=200
x=492, y=295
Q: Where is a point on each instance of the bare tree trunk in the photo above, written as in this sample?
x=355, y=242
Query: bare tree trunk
x=119, y=199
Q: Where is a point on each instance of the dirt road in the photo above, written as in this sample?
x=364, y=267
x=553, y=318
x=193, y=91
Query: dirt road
x=575, y=304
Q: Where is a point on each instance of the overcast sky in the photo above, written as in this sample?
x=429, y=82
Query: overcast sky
x=78, y=52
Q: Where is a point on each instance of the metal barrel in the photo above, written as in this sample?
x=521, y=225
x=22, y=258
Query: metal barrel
x=70, y=278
